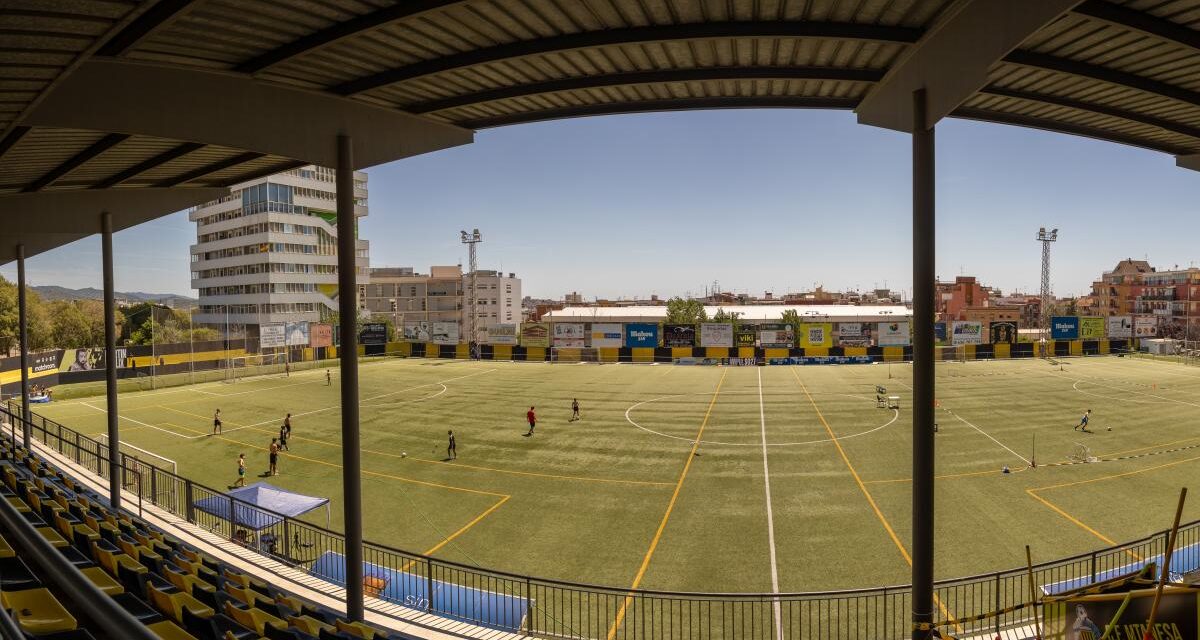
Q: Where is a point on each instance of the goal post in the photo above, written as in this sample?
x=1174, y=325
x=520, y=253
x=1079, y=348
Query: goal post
x=255, y=365
x=574, y=354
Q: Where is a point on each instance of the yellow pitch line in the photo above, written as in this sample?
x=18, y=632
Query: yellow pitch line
x=1076, y=521
x=870, y=500
x=637, y=579
x=439, y=462
x=432, y=550
x=948, y=476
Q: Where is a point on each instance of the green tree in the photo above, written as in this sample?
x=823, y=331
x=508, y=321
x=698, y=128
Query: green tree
x=727, y=317
x=792, y=318
x=72, y=329
x=681, y=311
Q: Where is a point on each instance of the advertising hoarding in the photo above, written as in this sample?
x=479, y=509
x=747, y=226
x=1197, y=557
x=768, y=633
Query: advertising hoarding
x=1120, y=327
x=569, y=334
x=816, y=334
x=85, y=359
x=679, y=335
x=894, y=334
x=297, y=334
x=1002, y=331
x=776, y=336
x=641, y=335
x=502, y=334
x=1145, y=326
x=939, y=331
x=535, y=334
x=854, y=334
x=1091, y=328
x=320, y=335
x=967, y=332
x=373, y=333
x=716, y=334
x=272, y=335
x=444, y=332
x=417, y=331
x=1064, y=328
x=745, y=336
x=608, y=335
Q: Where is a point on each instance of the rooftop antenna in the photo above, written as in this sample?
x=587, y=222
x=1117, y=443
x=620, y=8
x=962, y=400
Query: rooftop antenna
x=1046, y=237
x=472, y=239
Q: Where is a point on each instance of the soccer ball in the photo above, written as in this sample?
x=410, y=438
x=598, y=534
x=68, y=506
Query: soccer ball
x=1110, y=428
x=403, y=454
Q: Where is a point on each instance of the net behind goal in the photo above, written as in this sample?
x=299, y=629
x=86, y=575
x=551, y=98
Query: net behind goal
x=1082, y=453
x=256, y=365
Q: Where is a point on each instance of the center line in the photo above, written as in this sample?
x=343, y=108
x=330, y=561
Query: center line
x=762, y=418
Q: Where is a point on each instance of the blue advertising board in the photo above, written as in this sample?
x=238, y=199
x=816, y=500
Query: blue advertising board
x=492, y=609
x=939, y=331
x=1064, y=327
x=641, y=335
x=822, y=360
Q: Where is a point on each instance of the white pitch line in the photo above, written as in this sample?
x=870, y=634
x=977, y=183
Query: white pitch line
x=762, y=418
x=989, y=437
x=137, y=422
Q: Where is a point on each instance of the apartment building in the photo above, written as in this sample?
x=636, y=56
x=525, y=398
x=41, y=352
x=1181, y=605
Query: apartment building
x=267, y=252
x=414, y=300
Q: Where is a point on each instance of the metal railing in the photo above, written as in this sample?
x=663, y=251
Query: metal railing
x=539, y=607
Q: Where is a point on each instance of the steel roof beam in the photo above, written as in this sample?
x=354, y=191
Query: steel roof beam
x=630, y=35
x=671, y=104
x=648, y=77
x=1140, y=21
x=14, y=136
x=167, y=156
x=340, y=31
x=48, y=219
x=143, y=26
x=194, y=105
x=1057, y=126
x=210, y=168
x=1104, y=74
x=952, y=60
x=100, y=146
x=1092, y=107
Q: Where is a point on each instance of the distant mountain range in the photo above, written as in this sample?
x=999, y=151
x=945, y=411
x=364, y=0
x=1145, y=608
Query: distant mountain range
x=52, y=292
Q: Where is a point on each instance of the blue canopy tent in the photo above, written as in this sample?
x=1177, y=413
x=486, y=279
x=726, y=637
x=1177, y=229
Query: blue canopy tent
x=261, y=505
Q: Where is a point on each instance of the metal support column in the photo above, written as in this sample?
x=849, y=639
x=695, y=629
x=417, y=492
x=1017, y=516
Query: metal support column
x=348, y=356
x=23, y=319
x=923, y=374
x=110, y=362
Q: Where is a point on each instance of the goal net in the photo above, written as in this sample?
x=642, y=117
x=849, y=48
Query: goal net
x=256, y=365
x=574, y=355
x=1082, y=453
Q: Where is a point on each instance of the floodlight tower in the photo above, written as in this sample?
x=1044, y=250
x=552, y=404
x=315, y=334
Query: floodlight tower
x=1046, y=237
x=472, y=239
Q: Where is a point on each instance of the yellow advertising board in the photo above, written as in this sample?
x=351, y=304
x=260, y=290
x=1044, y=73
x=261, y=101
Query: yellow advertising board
x=816, y=334
x=1091, y=328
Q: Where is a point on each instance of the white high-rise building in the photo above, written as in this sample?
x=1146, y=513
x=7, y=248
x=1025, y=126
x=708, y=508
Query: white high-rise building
x=267, y=252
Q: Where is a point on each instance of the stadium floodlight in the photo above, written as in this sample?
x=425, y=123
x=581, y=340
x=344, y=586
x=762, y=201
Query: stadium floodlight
x=1046, y=238
x=472, y=239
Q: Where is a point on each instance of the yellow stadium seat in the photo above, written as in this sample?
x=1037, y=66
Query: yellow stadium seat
x=168, y=630
x=38, y=612
x=310, y=625
x=53, y=537
x=253, y=618
x=6, y=550
x=172, y=604
x=101, y=579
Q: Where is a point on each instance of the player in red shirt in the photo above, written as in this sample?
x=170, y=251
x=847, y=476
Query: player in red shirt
x=532, y=418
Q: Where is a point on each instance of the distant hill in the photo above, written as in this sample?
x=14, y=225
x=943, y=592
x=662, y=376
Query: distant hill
x=52, y=292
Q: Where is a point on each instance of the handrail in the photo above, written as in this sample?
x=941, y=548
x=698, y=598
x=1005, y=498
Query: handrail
x=8, y=627
x=886, y=601
x=99, y=607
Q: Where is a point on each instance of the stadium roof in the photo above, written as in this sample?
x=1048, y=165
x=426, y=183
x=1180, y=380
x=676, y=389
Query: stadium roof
x=143, y=108
x=746, y=313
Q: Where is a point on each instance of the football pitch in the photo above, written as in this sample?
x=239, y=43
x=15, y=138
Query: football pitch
x=700, y=478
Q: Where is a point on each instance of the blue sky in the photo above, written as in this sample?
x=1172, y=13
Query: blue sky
x=755, y=199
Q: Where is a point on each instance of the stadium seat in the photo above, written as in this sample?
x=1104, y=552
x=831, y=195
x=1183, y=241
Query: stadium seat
x=253, y=618
x=38, y=612
x=168, y=630
x=15, y=575
x=213, y=627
